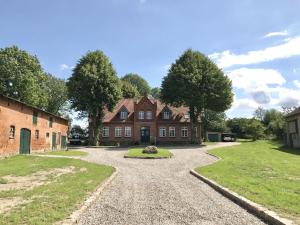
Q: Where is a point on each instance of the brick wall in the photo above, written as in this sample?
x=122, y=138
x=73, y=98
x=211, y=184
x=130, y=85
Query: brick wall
x=19, y=115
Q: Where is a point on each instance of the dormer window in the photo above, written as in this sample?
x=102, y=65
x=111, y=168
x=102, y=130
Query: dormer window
x=186, y=116
x=149, y=115
x=141, y=115
x=166, y=115
x=123, y=115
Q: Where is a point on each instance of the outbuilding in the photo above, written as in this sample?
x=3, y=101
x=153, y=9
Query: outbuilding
x=293, y=123
x=25, y=129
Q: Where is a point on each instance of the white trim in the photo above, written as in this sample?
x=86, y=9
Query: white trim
x=127, y=131
x=149, y=115
x=118, y=131
x=123, y=115
x=184, y=132
x=162, y=132
x=166, y=115
x=141, y=115
x=172, y=129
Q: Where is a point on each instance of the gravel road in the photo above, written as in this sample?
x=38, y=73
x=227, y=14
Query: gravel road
x=161, y=191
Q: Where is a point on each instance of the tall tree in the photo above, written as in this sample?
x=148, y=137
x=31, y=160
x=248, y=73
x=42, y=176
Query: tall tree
x=94, y=87
x=215, y=121
x=128, y=90
x=196, y=82
x=140, y=83
x=275, y=123
x=255, y=129
x=57, y=94
x=155, y=92
x=21, y=77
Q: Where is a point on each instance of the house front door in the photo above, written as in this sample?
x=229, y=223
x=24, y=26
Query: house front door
x=145, y=135
x=53, y=141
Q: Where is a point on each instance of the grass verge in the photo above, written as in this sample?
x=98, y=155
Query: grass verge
x=56, y=198
x=137, y=153
x=263, y=172
x=67, y=153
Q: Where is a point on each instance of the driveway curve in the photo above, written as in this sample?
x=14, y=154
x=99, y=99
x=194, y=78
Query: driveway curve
x=161, y=192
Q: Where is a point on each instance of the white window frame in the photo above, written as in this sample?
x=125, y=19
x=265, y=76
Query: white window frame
x=127, y=132
x=123, y=115
x=184, y=132
x=172, y=129
x=166, y=115
x=149, y=115
x=141, y=115
x=118, y=131
x=162, y=132
x=105, y=132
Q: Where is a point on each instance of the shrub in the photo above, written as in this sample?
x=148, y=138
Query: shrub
x=150, y=150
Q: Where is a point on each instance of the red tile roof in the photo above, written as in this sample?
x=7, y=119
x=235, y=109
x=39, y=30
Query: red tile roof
x=178, y=113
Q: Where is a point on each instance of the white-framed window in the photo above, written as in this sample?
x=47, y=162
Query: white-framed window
x=123, y=115
x=172, y=132
x=141, y=115
x=162, y=132
x=184, y=132
x=166, y=115
x=12, y=132
x=186, y=116
x=127, y=131
x=105, y=132
x=118, y=132
x=149, y=115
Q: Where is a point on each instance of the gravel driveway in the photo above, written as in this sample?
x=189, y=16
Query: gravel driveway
x=161, y=192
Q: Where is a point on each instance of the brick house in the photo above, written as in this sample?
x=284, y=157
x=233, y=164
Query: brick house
x=147, y=121
x=25, y=129
x=293, y=124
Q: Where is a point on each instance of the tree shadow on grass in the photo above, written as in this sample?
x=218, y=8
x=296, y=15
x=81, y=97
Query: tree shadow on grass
x=293, y=151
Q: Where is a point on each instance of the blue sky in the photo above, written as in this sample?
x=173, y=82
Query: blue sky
x=257, y=43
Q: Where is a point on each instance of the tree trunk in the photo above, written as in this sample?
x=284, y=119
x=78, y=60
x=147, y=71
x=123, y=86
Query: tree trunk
x=96, y=125
x=91, y=130
x=194, y=120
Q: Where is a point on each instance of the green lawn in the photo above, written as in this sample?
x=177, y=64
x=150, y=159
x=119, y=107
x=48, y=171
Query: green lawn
x=137, y=152
x=54, y=199
x=66, y=153
x=261, y=171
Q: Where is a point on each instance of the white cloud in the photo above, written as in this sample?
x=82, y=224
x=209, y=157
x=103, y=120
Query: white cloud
x=261, y=87
x=254, y=78
x=279, y=33
x=64, y=67
x=285, y=50
x=296, y=83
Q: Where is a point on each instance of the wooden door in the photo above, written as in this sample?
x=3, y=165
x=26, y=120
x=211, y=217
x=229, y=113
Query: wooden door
x=25, y=136
x=53, y=141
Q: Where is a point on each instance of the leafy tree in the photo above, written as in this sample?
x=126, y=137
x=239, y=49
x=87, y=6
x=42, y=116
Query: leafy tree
x=238, y=126
x=259, y=114
x=255, y=129
x=155, y=92
x=21, y=77
x=275, y=123
x=128, y=90
x=215, y=121
x=137, y=81
x=57, y=94
x=94, y=87
x=196, y=82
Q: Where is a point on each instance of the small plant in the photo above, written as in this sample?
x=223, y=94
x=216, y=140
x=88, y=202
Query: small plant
x=3, y=181
x=150, y=150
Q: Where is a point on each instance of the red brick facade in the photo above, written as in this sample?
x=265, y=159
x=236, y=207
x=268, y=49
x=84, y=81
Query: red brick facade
x=44, y=135
x=152, y=124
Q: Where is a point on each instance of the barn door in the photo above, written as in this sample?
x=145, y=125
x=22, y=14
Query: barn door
x=63, y=142
x=25, y=141
x=53, y=141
